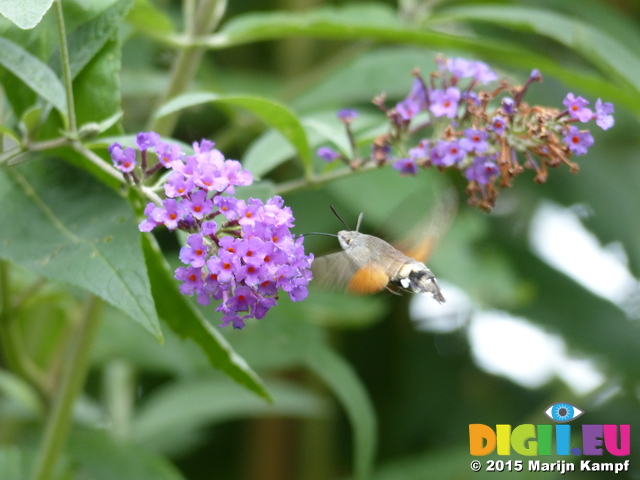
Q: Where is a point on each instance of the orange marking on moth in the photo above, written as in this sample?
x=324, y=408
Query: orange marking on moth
x=369, y=279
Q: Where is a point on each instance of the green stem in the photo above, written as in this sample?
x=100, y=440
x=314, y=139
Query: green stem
x=66, y=68
x=98, y=161
x=188, y=60
x=6, y=313
x=119, y=384
x=321, y=179
x=13, y=349
x=72, y=381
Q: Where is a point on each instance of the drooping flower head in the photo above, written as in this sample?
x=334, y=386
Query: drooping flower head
x=488, y=135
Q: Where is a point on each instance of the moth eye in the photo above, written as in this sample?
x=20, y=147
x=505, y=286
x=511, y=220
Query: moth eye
x=563, y=412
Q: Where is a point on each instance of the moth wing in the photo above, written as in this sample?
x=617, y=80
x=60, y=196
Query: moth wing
x=334, y=270
x=340, y=271
x=420, y=243
x=419, y=251
x=370, y=278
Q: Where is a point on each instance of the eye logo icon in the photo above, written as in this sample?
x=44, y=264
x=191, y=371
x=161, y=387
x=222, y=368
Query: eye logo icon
x=562, y=412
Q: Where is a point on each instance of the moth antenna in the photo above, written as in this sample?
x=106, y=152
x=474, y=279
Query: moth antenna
x=359, y=220
x=339, y=217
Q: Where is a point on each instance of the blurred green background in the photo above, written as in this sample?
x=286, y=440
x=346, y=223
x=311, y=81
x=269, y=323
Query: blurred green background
x=361, y=387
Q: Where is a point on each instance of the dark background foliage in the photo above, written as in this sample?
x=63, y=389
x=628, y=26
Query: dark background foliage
x=358, y=390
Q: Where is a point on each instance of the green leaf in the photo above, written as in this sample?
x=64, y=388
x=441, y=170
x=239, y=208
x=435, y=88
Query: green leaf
x=285, y=341
x=100, y=457
x=25, y=14
x=345, y=384
x=274, y=114
x=373, y=22
x=96, y=128
x=37, y=75
x=96, y=89
x=86, y=41
x=66, y=226
x=351, y=20
x=190, y=405
x=186, y=321
x=148, y=18
x=604, y=51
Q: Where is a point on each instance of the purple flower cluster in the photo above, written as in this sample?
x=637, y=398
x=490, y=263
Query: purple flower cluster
x=471, y=135
x=240, y=252
x=444, y=99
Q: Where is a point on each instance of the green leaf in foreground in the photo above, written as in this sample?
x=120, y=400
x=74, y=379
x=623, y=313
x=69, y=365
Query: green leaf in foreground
x=186, y=321
x=272, y=113
x=25, y=14
x=345, y=384
x=34, y=73
x=287, y=341
x=60, y=223
x=86, y=41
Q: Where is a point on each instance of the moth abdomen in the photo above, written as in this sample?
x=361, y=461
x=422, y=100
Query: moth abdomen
x=415, y=276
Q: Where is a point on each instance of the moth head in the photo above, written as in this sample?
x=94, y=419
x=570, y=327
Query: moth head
x=345, y=237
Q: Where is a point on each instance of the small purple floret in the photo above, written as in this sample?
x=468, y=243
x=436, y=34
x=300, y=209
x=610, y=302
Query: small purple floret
x=444, y=102
x=406, y=166
x=577, y=107
x=327, y=154
x=604, y=117
x=577, y=141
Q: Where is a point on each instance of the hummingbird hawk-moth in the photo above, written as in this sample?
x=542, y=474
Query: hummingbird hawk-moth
x=367, y=264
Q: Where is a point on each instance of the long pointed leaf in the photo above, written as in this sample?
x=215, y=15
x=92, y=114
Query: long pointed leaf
x=25, y=14
x=63, y=225
x=373, y=22
x=188, y=322
x=595, y=45
x=37, y=75
x=345, y=384
x=87, y=40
